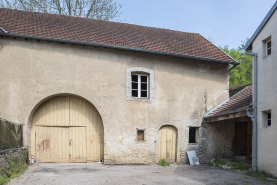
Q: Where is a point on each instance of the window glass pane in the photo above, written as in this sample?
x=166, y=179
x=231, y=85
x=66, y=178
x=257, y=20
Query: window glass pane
x=134, y=93
x=143, y=94
x=134, y=78
x=269, y=44
x=269, y=51
x=134, y=85
x=269, y=122
x=269, y=115
x=143, y=78
x=143, y=86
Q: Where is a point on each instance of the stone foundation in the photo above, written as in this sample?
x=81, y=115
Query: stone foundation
x=13, y=159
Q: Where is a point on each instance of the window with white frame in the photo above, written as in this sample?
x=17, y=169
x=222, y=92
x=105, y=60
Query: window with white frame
x=267, y=118
x=140, y=83
x=268, y=47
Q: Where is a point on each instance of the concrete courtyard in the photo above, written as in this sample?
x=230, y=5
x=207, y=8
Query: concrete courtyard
x=94, y=173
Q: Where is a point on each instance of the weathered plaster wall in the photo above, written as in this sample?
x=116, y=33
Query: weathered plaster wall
x=184, y=90
x=220, y=138
x=267, y=97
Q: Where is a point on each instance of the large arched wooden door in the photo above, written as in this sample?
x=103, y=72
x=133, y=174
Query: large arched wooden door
x=67, y=129
x=167, y=143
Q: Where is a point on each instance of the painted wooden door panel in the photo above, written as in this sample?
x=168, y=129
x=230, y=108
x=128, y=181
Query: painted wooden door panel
x=52, y=144
x=77, y=144
x=69, y=112
x=83, y=113
x=167, y=143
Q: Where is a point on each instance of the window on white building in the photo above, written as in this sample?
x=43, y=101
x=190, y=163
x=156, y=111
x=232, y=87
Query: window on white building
x=267, y=118
x=268, y=47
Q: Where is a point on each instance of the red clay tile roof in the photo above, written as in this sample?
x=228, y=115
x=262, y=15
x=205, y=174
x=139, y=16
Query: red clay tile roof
x=238, y=102
x=110, y=33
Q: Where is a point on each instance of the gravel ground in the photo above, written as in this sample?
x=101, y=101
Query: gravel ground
x=94, y=173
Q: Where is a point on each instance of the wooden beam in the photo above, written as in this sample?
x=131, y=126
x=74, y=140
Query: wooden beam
x=227, y=116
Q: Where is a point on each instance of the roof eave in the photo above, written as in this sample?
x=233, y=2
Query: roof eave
x=248, y=45
x=114, y=47
x=226, y=113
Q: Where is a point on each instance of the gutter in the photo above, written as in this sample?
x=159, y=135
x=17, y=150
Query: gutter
x=7, y=34
x=3, y=30
x=254, y=116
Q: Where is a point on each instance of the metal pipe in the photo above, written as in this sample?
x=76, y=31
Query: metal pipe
x=249, y=108
x=255, y=111
x=232, y=67
x=115, y=47
x=3, y=30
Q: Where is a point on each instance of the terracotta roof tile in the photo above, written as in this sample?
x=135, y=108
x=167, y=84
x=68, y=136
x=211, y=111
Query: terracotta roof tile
x=238, y=102
x=107, y=32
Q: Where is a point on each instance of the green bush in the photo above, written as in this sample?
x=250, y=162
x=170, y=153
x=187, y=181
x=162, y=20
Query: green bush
x=163, y=163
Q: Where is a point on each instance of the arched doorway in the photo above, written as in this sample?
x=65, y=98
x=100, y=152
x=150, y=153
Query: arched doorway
x=67, y=129
x=168, y=143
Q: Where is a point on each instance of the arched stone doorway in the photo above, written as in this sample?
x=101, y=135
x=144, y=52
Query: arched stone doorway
x=67, y=129
x=168, y=143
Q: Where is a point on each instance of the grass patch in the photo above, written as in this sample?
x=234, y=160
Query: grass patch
x=239, y=166
x=163, y=163
x=219, y=161
x=262, y=176
x=16, y=167
x=234, y=164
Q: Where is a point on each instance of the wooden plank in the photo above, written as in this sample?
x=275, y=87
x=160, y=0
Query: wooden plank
x=83, y=113
x=49, y=144
x=167, y=143
x=77, y=137
x=65, y=111
x=243, y=113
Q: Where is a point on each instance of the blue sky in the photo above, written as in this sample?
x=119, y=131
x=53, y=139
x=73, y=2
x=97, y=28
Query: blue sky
x=227, y=22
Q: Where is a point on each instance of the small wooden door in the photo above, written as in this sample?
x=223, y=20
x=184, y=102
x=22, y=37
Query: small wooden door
x=77, y=144
x=167, y=143
x=241, y=138
x=52, y=144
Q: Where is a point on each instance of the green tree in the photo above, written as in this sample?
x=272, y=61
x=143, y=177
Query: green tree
x=98, y=9
x=241, y=74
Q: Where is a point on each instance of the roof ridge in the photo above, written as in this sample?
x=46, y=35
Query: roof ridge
x=102, y=33
x=62, y=15
x=260, y=27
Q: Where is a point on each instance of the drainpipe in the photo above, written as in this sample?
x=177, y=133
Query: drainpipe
x=254, y=116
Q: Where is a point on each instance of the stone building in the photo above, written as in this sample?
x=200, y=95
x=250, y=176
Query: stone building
x=88, y=90
x=231, y=126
